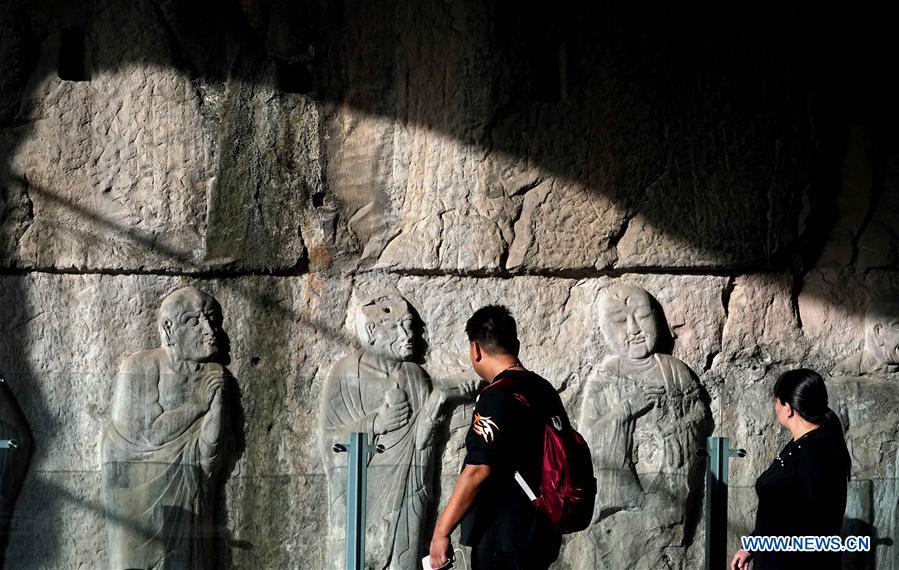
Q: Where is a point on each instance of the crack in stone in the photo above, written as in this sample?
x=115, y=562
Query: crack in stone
x=615, y=238
x=504, y=256
x=440, y=233
x=525, y=188
x=573, y=274
x=710, y=360
x=351, y=290
x=302, y=268
x=726, y=293
x=565, y=302
x=28, y=214
x=856, y=237
x=521, y=192
x=795, y=291
x=397, y=233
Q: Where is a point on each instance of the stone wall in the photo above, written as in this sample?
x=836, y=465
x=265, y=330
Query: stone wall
x=289, y=157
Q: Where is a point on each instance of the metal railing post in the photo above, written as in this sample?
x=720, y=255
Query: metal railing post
x=716, y=482
x=357, y=474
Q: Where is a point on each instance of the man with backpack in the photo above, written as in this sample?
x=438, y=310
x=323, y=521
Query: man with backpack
x=506, y=452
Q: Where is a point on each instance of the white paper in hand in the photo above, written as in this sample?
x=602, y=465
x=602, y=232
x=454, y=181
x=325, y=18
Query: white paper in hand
x=458, y=554
x=426, y=564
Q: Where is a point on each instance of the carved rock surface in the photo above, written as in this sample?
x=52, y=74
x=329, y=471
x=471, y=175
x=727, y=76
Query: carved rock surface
x=66, y=380
x=285, y=334
x=137, y=142
x=291, y=158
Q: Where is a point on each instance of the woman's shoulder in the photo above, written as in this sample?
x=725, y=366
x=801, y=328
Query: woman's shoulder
x=820, y=437
x=820, y=446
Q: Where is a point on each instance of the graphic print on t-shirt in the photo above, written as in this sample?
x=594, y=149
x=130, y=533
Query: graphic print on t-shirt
x=484, y=426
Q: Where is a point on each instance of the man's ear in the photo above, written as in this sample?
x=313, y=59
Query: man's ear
x=475, y=350
x=370, y=332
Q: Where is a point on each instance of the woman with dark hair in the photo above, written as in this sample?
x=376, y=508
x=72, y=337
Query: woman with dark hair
x=803, y=492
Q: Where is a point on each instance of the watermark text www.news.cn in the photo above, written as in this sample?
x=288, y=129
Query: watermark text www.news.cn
x=806, y=543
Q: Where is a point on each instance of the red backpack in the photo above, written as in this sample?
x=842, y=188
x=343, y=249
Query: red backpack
x=567, y=485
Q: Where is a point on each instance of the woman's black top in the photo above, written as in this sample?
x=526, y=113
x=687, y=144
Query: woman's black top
x=802, y=493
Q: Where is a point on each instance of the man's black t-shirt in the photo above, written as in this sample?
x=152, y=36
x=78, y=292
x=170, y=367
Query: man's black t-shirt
x=506, y=433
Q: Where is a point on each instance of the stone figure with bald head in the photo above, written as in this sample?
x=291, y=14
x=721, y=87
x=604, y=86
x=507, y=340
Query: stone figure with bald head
x=643, y=418
x=864, y=392
x=166, y=440
x=880, y=355
x=379, y=390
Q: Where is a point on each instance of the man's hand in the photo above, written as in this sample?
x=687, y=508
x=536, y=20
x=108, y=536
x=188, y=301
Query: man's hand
x=740, y=560
x=469, y=387
x=441, y=551
x=390, y=418
x=464, y=492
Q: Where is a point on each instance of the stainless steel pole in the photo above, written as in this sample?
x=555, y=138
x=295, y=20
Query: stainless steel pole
x=716, y=483
x=357, y=475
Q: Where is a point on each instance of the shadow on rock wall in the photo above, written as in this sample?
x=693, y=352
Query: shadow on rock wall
x=657, y=137
x=434, y=138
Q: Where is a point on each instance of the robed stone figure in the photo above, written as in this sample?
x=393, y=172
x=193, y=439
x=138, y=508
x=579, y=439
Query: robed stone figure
x=864, y=392
x=380, y=391
x=645, y=421
x=166, y=440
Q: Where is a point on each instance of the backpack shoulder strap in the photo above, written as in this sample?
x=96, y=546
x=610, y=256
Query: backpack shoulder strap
x=510, y=386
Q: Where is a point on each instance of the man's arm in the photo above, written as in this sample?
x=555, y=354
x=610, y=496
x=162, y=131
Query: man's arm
x=430, y=411
x=464, y=493
x=486, y=444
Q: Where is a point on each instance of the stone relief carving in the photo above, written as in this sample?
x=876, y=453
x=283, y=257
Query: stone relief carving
x=14, y=461
x=379, y=390
x=880, y=356
x=166, y=439
x=645, y=422
x=864, y=392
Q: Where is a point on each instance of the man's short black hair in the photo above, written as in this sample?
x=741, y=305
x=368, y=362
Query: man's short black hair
x=494, y=329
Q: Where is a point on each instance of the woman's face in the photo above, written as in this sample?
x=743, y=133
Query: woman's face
x=782, y=411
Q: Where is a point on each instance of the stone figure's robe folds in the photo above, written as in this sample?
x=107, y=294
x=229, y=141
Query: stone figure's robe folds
x=158, y=495
x=864, y=364
x=648, y=472
x=868, y=408
x=653, y=453
x=398, y=479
